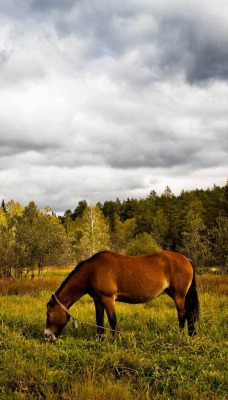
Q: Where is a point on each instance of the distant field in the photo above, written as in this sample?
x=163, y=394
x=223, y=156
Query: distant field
x=150, y=359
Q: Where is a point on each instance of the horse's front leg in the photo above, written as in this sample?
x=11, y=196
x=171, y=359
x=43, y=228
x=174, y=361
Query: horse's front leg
x=99, y=307
x=109, y=304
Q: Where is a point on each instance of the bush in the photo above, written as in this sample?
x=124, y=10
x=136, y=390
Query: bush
x=143, y=244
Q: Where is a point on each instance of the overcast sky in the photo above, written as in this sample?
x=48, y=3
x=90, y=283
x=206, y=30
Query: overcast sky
x=111, y=98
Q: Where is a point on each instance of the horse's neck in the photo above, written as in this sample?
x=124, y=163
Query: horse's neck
x=74, y=289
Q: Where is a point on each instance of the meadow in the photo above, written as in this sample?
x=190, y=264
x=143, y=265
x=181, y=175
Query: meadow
x=149, y=359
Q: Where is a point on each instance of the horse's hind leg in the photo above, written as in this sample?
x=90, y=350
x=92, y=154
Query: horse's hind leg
x=180, y=306
x=99, y=307
x=184, y=314
x=179, y=300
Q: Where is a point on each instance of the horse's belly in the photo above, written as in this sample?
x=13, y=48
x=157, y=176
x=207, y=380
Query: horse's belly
x=139, y=297
x=124, y=298
x=140, y=291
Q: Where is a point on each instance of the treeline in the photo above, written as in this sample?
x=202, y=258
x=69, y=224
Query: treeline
x=194, y=223
x=30, y=240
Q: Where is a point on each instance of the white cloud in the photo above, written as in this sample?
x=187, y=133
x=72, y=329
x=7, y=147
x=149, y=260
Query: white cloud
x=101, y=100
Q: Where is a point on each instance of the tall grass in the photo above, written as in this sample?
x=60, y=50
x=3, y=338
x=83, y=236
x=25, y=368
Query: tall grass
x=149, y=359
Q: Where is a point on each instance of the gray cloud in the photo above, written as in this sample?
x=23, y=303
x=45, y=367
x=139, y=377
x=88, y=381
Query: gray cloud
x=181, y=38
x=196, y=46
x=44, y=6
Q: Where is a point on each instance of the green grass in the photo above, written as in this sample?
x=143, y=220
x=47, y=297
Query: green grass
x=149, y=359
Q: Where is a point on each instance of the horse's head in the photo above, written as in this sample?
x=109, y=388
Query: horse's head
x=57, y=318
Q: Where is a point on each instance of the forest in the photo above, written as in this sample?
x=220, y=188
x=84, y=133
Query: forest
x=194, y=222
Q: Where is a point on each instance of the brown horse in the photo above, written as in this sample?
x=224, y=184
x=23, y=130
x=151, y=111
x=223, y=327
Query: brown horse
x=109, y=277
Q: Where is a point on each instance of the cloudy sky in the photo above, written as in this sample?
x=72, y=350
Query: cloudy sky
x=111, y=98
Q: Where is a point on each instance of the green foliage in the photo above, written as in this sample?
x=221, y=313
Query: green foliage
x=30, y=239
x=160, y=226
x=143, y=244
x=219, y=238
x=79, y=210
x=195, y=243
x=123, y=235
x=111, y=209
x=149, y=359
x=3, y=219
x=94, y=233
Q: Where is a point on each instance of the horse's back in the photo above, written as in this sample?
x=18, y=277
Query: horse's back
x=163, y=262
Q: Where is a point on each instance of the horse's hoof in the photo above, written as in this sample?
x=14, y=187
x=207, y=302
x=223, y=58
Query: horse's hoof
x=99, y=338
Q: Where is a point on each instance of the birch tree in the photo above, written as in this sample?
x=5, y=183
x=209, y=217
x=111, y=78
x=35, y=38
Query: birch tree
x=95, y=233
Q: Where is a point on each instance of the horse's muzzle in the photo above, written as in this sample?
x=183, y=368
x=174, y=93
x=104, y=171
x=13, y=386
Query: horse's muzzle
x=49, y=336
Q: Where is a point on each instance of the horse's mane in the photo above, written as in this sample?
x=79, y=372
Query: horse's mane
x=71, y=274
x=79, y=265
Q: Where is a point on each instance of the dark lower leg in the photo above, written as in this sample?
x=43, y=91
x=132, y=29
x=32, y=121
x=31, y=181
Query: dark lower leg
x=100, y=319
x=111, y=313
x=181, y=319
x=179, y=301
x=112, y=322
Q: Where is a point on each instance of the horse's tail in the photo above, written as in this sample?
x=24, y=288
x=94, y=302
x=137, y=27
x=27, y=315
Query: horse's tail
x=192, y=301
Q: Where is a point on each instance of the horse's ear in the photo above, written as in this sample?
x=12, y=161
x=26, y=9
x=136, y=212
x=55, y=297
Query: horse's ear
x=51, y=301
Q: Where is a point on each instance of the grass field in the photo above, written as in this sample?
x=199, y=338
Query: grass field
x=149, y=359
